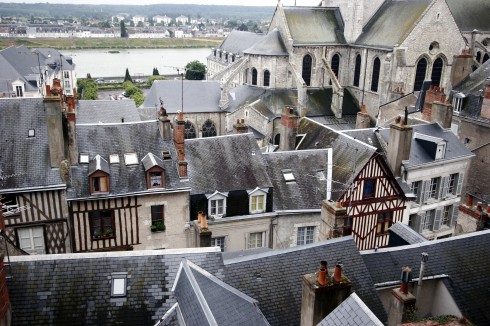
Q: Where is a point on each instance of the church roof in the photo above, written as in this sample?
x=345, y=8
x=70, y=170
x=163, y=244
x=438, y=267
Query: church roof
x=315, y=25
x=470, y=14
x=271, y=44
x=388, y=27
x=238, y=41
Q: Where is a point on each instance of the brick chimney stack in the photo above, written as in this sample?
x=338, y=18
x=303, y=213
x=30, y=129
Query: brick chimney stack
x=71, y=118
x=289, y=130
x=164, y=122
x=402, y=299
x=399, y=144
x=179, y=130
x=240, y=127
x=363, y=121
x=323, y=291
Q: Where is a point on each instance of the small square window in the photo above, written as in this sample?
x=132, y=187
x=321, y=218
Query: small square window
x=218, y=242
x=369, y=188
x=114, y=158
x=119, y=284
x=288, y=176
x=31, y=133
x=166, y=155
x=131, y=158
x=84, y=158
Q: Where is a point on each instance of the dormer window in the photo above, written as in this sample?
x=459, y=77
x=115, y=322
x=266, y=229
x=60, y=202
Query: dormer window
x=441, y=151
x=99, y=175
x=217, y=204
x=156, y=177
x=257, y=200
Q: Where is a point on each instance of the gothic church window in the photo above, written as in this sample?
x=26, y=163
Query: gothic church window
x=267, y=77
x=485, y=58
x=208, y=129
x=375, y=75
x=420, y=74
x=478, y=56
x=190, y=131
x=335, y=64
x=306, y=72
x=254, y=76
x=437, y=72
x=357, y=71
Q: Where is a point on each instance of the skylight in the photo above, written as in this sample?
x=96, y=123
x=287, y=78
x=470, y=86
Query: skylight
x=114, y=158
x=166, y=155
x=84, y=158
x=31, y=133
x=131, y=158
x=288, y=176
x=118, y=284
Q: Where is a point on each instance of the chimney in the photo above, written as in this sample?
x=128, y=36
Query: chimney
x=164, y=122
x=319, y=299
x=179, y=130
x=434, y=94
x=289, y=130
x=71, y=120
x=362, y=120
x=334, y=215
x=442, y=113
x=240, y=127
x=204, y=233
x=5, y=307
x=461, y=68
x=399, y=145
x=402, y=299
x=469, y=201
x=54, y=123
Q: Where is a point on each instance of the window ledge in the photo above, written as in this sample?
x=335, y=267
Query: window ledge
x=103, y=237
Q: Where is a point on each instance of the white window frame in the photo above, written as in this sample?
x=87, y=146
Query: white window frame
x=255, y=236
x=428, y=220
x=213, y=199
x=308, y=233
x=131, y=159
x=257, y=192
x=219, y=242
x=28, y=234
x=434, y=185
x=119, y=283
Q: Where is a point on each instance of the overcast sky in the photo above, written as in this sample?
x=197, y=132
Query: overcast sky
x=201, y=2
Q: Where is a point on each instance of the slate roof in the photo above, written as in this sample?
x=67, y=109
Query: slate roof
x=352, y=312
x=420, y=155
x=204, y=299
x=388, y=27
x=347, y=122
x=75, y=289
x=465, y=259
x=367, y=136
x=275, y=278
x=106, y=139
x=308, y=190
x=25, y=161
x=407, y=233
x=470, y=14
x=346, y=152
x=225, y=163
x=315, y=25
x=238, y=41
x=199, y=95
x=272, y=44
x=18, y=62
x=104, y=111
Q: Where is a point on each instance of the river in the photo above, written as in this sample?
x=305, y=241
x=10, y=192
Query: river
x=102, y=63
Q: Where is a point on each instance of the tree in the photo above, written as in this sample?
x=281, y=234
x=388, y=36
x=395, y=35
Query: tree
x=127, y=77
x=155, y=72
x=195, y=70
x=151, y=79
x=124, y=32
x=140, y=24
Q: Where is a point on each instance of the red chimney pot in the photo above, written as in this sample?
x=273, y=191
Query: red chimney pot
x=337, y=274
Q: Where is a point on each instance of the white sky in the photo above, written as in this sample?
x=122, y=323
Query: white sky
x=201, y=2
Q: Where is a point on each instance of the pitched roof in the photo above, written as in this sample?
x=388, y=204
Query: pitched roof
x=309, y=189
x=351, y=312
x=238, y=41
x=465, y=259
x=387, y=27
x=206, y=300
x=407, y=233
x=225, y=163
x=349, y=155
x=272, y=44
x=315, y=25
x=53, y=288
x=18, y=62
x=470, y=14
x=199, y=95
x=24, y=161
x=104, y=111
x=476, y=81
x=275, y=278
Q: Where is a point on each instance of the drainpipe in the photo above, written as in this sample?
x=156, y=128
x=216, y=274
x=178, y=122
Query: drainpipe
x=425, y=258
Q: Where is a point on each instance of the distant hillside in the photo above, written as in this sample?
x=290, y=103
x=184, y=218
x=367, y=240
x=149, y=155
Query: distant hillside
x=104, y=11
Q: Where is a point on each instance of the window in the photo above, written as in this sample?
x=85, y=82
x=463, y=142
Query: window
x=254, y=76
x=114, y=158
x=305, y=235
x=267, y=77
x=428, y=219
x=99, y=182
x=66, y=74
x=452, y=183
x=357, y=71
x=288, y=176
x=31, y=133
x=256, y=240
x=131, y=158
x=67, y=84
x=306, y=71
x=485, y=58
x=208, y=129
x=156, y=177
x=257, y=204
x=218, y=242
x=102, y=224
x=118, y=284
x=216, y=207
x=347, y=229
x=411, y=220
x=369, y=188
x=19, y=91
x=375, y=75
x=9, y=201
x=437, y=72
x=335, y=64
x=31, y=240
x=446, y=215
x=415, y=188
x=420, y=74
x=384, y=223
x=84, y=158
x=157, y=215
x=434, y=187
x=233, y=58
x=166, y=155
x=190, y=131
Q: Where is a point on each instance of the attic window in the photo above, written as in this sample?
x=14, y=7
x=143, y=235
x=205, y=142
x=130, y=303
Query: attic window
x=166, y=155
x=31, y=133
x=288, y=176
x=119, y=284
x=131, y=158
x=114, y=158
x=84, y=158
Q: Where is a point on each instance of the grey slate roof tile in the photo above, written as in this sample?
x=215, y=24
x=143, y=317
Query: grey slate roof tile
x=407, y=233
x=102, y=111
x=238, y=41
x=470, y=14
x=272, y=44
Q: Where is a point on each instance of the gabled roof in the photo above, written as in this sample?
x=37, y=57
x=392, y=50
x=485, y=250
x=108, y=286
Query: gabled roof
x=199, y=95
x=238, y=41
x=272, y=44
x=18, y=62
x=206, y=300
x=275, y=278
x=351, y=312
x=98, y=164
x=349, y=155
x=309, y=189
x=388, y=26
x=407, y=233
x=465, y=259
x=225, y=163
x=315, y=25
x=470, y=14
x=25, y=161
x=151, y=160
x=104, y=111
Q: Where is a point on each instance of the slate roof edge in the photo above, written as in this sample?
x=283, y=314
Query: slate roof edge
x=221, y=136
x=426, y=243
x=168, y=313
x=114, y=123
x=319, y=43
x=137, y=193
x=390, y=284
x=242, y=217
x=301, y=151
x=371, y=47
x=409, y=166
x=278, y=252
x=366, y=309
x=28, y=189
x=116, y=254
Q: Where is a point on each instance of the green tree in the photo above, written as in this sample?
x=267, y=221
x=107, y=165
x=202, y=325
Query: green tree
x=140, y=24
x=124, y=32
x=127, y=77
x=195, y=70
x=87, y=89
x=134, y=93
x=151, y=79
x=155, y=72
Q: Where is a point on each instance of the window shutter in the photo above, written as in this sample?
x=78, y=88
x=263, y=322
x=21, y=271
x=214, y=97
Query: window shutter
x=425, y=191
x=437, y=220
x=417, y=225
x=460, y=184
x=420, y=192
x=445, y=185
x=453, y=218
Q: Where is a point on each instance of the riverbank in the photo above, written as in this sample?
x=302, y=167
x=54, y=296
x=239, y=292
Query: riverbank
x=112, y=43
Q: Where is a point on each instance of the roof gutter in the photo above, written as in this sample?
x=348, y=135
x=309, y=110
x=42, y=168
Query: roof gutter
x=17, y=190
x=138, y=193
